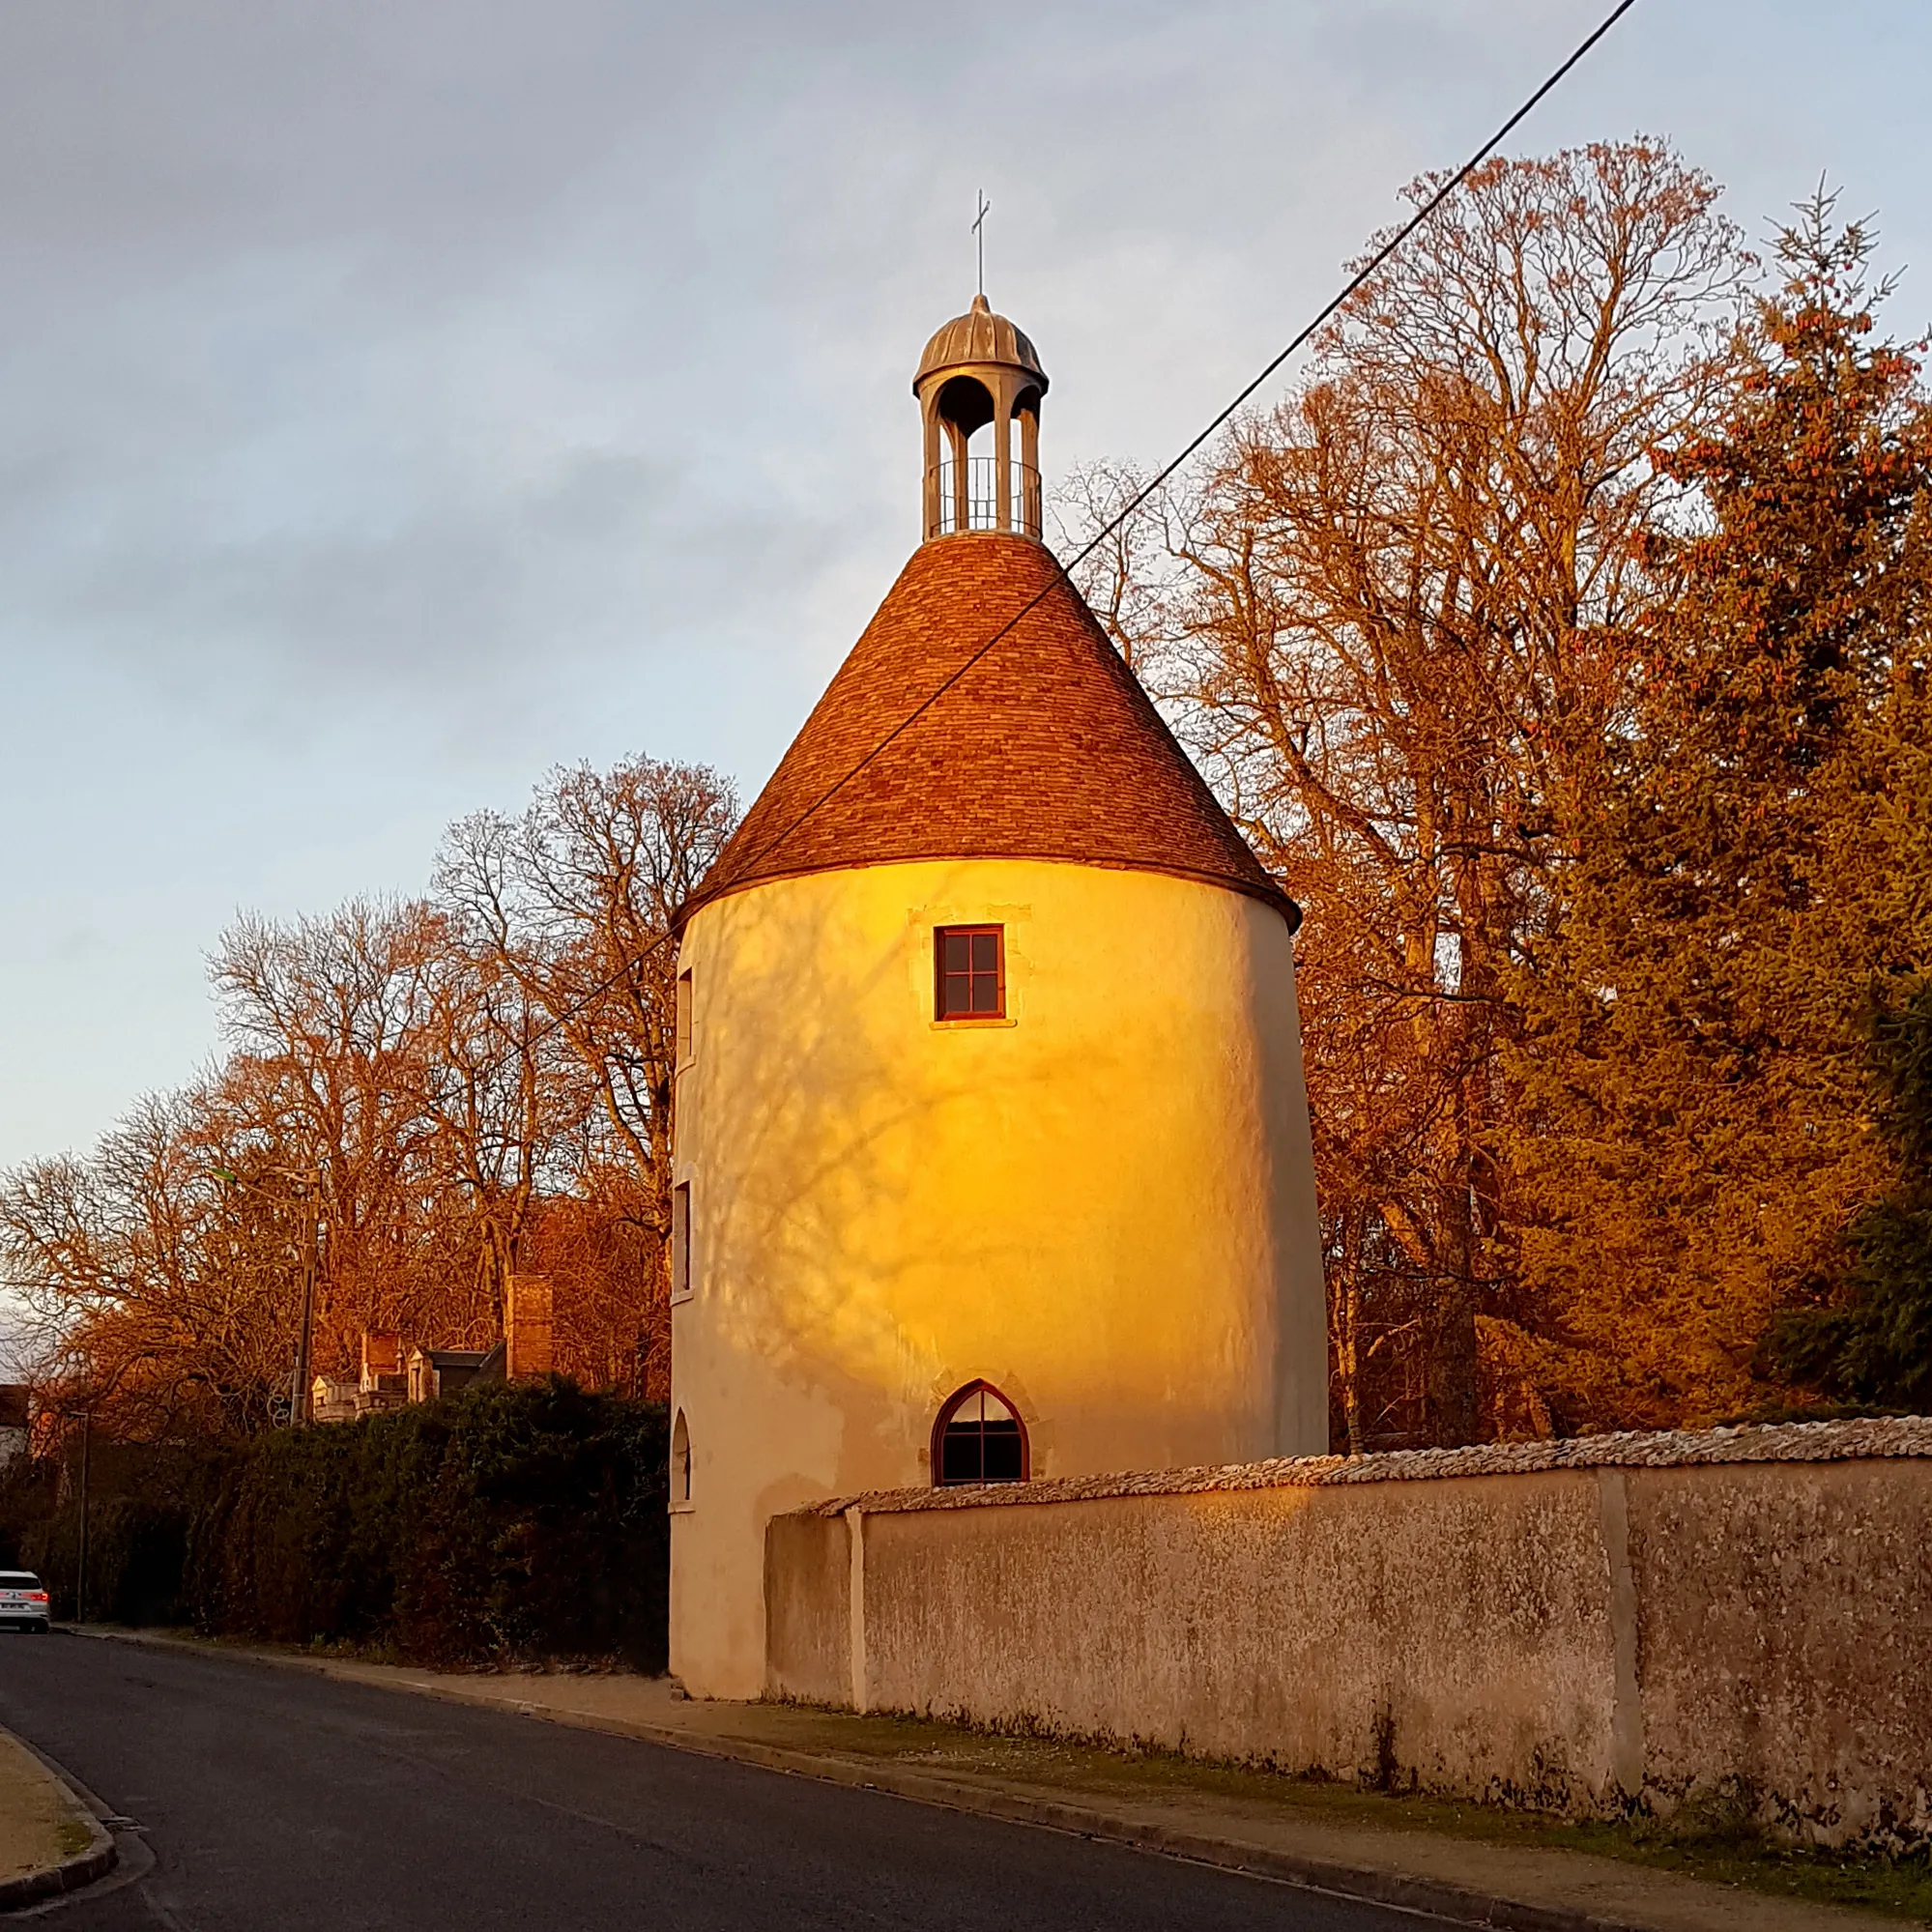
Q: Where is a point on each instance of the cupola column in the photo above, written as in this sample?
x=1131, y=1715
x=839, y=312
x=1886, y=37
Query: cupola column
x=1003, y=462
x=962, y=474
x=1030, y=506
x=930, y=422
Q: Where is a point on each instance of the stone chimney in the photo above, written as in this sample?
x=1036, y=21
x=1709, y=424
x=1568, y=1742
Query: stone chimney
x=382, y=1355
x=527, y=1328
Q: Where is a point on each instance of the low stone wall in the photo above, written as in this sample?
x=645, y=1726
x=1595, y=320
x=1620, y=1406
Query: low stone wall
x=1580, y=1626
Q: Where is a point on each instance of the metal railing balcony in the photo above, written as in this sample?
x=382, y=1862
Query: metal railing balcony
x=968, y=496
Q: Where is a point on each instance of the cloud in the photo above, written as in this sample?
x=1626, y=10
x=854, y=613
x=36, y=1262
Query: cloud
x=395, y=399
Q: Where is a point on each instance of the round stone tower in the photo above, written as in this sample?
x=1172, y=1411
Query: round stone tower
x=992, y=1144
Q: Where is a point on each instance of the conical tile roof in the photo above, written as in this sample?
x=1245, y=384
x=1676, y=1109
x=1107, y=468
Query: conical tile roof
x=1046, y=748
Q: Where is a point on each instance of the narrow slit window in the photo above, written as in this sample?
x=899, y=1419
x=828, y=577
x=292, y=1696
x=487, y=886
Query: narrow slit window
x=683, y=1018
x=681, y=1461
x=680, y=1240
x=971, y=967
x=979, y=1438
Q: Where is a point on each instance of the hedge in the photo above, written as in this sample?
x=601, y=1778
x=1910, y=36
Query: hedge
x=509, y=1522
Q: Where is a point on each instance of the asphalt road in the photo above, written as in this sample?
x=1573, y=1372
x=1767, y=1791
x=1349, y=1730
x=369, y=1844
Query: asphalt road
x=276, y=1802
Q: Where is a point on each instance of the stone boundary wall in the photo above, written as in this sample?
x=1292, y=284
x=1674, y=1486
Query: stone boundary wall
x=1582, y=1626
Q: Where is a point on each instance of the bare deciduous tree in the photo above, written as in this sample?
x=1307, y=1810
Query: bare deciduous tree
x=455, y=1090
x=577, y=899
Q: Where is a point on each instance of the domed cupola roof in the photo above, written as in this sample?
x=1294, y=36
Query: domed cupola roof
x=1045, y=747
x=979, y=336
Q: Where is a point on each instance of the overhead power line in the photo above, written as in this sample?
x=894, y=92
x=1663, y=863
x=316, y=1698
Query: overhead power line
x=1139, y=498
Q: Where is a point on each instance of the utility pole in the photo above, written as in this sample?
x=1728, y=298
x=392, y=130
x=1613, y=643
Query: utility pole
x=80, y=1565
x=302, y=1406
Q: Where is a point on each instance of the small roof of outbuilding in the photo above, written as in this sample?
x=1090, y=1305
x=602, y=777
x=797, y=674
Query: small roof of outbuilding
x=979, y=336
x=1045, y=748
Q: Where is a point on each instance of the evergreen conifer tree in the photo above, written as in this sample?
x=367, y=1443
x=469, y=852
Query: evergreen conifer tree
x=1692, y=1132
x=1872, y=1342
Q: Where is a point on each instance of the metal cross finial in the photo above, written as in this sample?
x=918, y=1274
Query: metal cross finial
x=979, y=235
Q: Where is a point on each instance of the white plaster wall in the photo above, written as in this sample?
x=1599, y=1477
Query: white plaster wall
x=1104, y=1206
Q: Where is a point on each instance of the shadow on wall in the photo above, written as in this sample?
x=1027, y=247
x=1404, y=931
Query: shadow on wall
x=904, y=1197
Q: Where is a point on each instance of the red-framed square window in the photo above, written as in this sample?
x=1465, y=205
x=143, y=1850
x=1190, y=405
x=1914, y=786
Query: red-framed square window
x=969, y=964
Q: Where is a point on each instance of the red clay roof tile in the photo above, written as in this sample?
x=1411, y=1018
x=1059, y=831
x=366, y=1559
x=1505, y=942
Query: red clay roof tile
x=1046, y=748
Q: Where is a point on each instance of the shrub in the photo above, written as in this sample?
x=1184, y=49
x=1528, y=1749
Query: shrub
x=508, y=1522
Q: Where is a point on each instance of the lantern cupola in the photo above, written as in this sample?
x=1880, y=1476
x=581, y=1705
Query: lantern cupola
x=980, y=374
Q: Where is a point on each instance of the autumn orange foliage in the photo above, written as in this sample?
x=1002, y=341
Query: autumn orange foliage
x=1578, y=1000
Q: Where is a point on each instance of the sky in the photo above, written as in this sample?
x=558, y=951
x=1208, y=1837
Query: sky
x=399, y=398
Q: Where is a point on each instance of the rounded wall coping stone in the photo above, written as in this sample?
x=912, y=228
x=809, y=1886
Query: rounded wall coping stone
x=1857, y=1439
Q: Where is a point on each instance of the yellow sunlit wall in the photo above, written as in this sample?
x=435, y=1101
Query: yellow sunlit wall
x=1103, y=1204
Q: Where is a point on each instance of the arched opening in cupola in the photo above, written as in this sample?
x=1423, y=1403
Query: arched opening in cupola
x=967, y=480
x=1028, y=517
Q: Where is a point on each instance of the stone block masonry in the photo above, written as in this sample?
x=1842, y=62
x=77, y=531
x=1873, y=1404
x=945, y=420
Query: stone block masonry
x=1580, y=1627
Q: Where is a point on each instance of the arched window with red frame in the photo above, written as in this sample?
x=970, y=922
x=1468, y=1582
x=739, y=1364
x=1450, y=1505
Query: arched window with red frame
x=979, y=1438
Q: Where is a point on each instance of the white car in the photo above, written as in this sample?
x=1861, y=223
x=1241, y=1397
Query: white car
x=23, y=1604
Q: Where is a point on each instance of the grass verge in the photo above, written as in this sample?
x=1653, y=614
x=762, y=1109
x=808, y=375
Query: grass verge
x=1716, y=1844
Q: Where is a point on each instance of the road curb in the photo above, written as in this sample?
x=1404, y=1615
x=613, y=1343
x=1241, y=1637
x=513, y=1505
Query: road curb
x=82, y=1867
x=1439, y=1898
x=1369, y=1884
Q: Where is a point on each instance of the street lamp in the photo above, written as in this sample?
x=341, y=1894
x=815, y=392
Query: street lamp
x=308, y=1187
